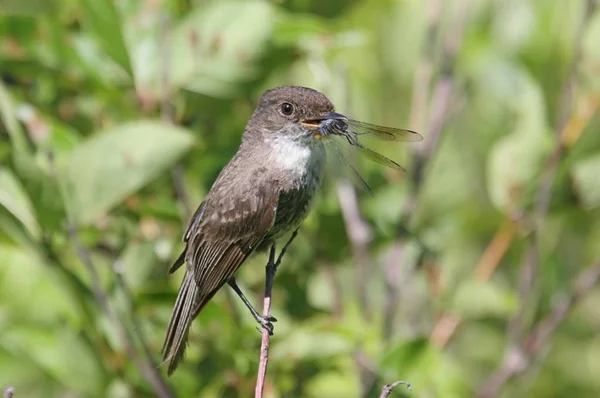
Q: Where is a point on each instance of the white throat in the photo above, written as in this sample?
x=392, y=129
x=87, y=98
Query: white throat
x=293, y=154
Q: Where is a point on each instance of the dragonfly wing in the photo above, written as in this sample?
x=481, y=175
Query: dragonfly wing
x=366, y=130
x=379, y=158
x=340, y=166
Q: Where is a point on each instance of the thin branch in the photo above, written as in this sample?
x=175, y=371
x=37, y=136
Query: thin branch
x=137, y=327
x=449, y=323
x=565, y=110
x=443, y=90
x=270, y=271
x=367, y=371
x=440, y=103
x=9, y=392
x=392, y=287
x=444, y=329
x=336, y=288
x=567, y=131
x=528, y=272
x=495, y=251
x=167, y=113
x=358, y=231
x=519, y=357
x=387, y=389
x=146, y=368
x=359, y=234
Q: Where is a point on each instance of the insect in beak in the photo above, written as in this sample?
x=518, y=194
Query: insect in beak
x=321, y=123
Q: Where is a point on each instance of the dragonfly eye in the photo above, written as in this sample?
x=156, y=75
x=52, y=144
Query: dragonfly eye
x=335, y=126
x=340, y=125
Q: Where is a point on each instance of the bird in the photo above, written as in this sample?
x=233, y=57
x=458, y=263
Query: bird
x=263, y=193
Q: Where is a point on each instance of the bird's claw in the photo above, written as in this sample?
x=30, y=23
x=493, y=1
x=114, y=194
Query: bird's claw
x=265, y=322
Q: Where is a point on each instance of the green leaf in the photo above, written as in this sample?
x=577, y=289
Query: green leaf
x=9, y=119
x=475, y=299
x=425, y=367
x=107, y=168
x=14, y=198
x=13, y=229
x=587, y=182
x=27, y=7
x=405, y=354
x=309, y=343
x=320, y=292
x=210, y=51
x=334, y=384
x=96, y=63
x=138, y=261
x=34, y=291
x=104, y=20
x=377, y=207
x=293, y=28
x=38, y=180
x=516, y=160
x=59, y=351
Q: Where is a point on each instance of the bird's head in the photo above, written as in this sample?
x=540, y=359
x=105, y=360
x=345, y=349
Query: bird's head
x=291, y=112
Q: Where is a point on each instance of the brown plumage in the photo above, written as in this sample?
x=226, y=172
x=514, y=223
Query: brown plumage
x=264, y=192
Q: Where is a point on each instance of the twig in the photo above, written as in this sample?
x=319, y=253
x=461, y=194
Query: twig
x=449, y=323
x=166, y=113
x=358, y=231
x=543, y=198
x=528, y=272
x=387, y=389
x=565, y=126
x=359, y=234
x=336, y=288
x=443, y=90
x=9, y=392
x=584, y=111
x=518, y=357
x=146, y=368
x=495, y=251
x=392, y=287
x=440, y=103
x=367, y=371
x=271, y=269
x=137, y=327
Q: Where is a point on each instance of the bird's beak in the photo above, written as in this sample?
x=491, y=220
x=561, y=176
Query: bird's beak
x=315, y=123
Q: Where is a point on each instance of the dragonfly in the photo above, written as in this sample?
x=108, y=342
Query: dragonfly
x=354, y=132
x=334, y=124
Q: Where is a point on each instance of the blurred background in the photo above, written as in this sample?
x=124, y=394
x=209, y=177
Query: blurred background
x=473, y=274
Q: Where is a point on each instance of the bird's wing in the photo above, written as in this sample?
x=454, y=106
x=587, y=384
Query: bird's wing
x=225, y=234
x=193, y=225
x=221, y=235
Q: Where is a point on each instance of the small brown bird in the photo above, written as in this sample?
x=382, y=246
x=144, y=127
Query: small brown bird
x=264, y=192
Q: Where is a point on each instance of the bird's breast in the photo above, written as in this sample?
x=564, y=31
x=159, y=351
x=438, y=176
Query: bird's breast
x=302, y=168
x=295, y=155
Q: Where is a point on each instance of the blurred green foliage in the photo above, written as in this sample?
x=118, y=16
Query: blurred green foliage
x=82, y=143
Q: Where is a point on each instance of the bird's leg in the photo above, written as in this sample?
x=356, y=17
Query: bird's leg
x=264, y=321
x=272, y=265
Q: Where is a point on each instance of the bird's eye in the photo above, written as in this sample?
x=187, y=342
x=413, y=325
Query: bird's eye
x=287, y=108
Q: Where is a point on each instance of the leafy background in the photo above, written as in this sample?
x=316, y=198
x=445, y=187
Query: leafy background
x=471, y=275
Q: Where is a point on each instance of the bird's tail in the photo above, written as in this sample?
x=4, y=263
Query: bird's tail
x=186, y=308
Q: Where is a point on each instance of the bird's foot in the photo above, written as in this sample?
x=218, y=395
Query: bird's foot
x=265, y=322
